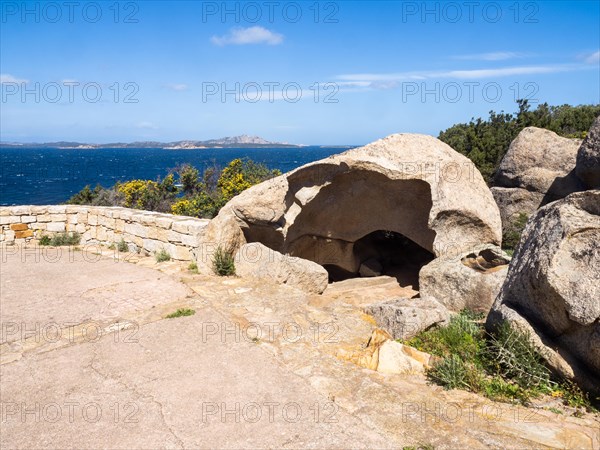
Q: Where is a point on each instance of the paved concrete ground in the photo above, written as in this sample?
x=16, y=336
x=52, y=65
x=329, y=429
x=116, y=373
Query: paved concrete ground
x=255, y=367
x=152, y=385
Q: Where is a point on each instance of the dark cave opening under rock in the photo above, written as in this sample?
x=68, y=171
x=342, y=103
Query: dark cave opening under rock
x=385, y=252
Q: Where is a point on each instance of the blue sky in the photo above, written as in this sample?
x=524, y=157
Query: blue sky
x=150, y=70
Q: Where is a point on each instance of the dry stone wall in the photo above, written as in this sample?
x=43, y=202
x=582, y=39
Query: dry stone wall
x=143, y=231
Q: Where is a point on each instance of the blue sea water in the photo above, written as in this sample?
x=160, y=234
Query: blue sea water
x=42, y=176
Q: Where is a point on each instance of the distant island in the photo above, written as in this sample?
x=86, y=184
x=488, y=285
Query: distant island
x=226, y=142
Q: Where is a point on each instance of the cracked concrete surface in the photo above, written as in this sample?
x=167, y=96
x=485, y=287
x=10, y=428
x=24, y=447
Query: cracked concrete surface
x=255, y=367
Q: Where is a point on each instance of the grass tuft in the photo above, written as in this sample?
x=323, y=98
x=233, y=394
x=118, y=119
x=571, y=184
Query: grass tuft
x=122, y=246
x=182, y=312
x=162, y=255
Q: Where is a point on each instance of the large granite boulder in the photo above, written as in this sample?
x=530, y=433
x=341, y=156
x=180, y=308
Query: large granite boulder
x=552, y=289
x=257, y=261
x=588, y=157
x=471, y=279
x=538, y=168
x=412, y=185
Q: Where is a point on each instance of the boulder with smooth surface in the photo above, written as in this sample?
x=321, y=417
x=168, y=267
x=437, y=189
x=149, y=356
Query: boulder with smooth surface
x=470, y=279
x=404, y=318
x=552, y=289
x=255, y=260
x=538, y=168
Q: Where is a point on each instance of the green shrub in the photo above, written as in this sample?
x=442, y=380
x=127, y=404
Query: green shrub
x=575, y=397
x=193, y=267
x=182, y=312
x=86, y=196
x=502, y=366
x=511, y=235
x=192, y=195
x=223, y=262
x=60, y=239
x=199, y=205
x=451, y=372
x=511, y=355
x=240, y=174
x=496, y=388
x=162, y=255
x=122, y=247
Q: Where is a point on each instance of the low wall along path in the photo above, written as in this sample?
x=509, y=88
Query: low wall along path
x=143, y=231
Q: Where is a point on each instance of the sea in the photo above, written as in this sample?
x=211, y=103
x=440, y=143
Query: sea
x=45, y=176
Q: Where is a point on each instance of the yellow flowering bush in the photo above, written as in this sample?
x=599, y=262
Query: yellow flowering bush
x=137, y=192
x=233, y=185
x=200, y=205
x=239, y=175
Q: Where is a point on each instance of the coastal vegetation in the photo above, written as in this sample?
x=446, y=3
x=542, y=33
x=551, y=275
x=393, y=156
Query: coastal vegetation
x=184, y=191
x=486, y=141
x=502, y=366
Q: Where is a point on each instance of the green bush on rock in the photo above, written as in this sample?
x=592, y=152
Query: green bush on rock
x=502, y=366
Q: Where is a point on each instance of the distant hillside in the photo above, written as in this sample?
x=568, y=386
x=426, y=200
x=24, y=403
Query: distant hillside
x=226, y=142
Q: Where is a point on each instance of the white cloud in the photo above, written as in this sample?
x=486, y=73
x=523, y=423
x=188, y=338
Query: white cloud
x=352, y=84
x=504, y=71
x=492, y=56
x=178, y=86
x=361, y=78
x=147, y=126
x=594, y=58
x=8, y=78
x=251, y=35
x=390, y=80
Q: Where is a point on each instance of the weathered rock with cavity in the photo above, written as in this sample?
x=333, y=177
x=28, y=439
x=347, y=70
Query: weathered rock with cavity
x=404, y=318
x=257, y=261
x=413, y=185
x=471, y=279
x=588, y=157
x=552, y=288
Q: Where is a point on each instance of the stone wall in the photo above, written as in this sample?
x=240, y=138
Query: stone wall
x=143, y=231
